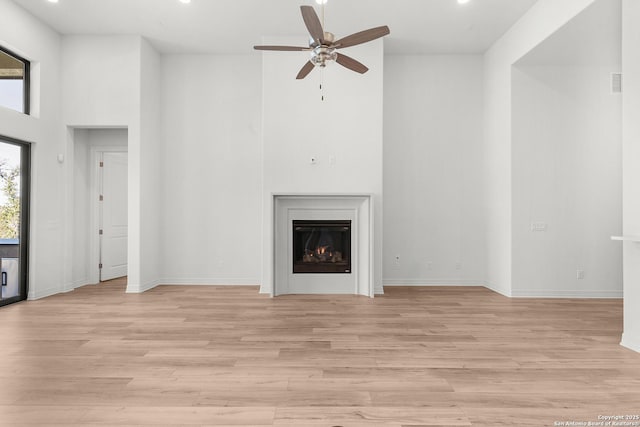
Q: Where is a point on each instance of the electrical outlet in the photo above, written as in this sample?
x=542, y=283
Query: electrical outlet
x=397, y=260
x=429, y=265
x=458, y=265
x=579, y=274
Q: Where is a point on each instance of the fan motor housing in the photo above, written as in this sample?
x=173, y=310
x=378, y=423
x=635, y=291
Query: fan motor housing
x=321, y=54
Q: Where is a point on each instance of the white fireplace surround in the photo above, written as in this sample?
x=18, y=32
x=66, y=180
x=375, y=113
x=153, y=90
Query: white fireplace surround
x=358, y=208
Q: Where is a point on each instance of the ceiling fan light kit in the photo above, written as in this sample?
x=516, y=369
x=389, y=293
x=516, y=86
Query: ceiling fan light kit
x=323, y=46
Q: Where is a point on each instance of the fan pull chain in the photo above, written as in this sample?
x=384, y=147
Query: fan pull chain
x=322, y=70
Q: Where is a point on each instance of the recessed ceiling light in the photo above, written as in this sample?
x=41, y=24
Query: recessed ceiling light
x=53, y=1
x=185, y=1
x=321, y=1
x=463, y=1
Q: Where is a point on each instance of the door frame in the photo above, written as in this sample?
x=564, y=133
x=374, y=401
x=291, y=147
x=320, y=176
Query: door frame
x=25, y=203
x=95, y=153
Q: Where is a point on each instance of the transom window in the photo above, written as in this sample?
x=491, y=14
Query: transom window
x=14, y=81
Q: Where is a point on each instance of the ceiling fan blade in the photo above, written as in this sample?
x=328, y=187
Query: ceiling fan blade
x=362, y=37
x=282, y=48
x=352, y=64
x=313, y=24
x=304, y=72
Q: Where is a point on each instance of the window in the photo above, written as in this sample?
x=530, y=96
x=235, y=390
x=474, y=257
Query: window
x=14, y=219
x=14, y=81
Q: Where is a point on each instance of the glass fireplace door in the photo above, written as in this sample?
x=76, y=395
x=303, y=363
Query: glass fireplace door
x=321, y=247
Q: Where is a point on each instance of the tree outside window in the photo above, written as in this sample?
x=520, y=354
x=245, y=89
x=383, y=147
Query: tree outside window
x=10, y=202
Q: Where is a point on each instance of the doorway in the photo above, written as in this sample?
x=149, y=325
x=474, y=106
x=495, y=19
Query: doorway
x=100, y=181
x=113, y=215
x=15, y=158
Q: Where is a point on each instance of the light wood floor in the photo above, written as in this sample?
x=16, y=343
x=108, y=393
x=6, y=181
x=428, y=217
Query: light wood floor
x=222, y=356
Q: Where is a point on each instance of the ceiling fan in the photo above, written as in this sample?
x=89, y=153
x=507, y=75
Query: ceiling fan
x=323, y=44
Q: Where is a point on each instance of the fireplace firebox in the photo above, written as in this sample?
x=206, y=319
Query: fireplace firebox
x=322, y=247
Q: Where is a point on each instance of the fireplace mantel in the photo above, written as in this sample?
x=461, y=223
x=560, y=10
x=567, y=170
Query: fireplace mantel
x=355, y=207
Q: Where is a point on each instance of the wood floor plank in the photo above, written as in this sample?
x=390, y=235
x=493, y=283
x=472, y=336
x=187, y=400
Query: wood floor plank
x=228, y=356
x=376, y=416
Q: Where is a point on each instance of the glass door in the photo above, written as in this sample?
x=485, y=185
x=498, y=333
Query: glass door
x=14, y=218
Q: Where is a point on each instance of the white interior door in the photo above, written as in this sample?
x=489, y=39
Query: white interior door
x=113, y=251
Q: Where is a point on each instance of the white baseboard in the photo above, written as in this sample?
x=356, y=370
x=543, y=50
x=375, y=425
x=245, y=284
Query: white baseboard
x=431, y=282
x=209, y=282
x=133, y=288
x=69, y=287
x=376, y=291
x=140, y=288
x=264, y=291
x=630, y=343
x=579, y=294
x=44, y=293
x=506, y=292
x=81, y=283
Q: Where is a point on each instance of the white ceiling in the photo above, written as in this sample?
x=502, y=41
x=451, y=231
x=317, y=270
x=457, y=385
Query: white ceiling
x=234, y=26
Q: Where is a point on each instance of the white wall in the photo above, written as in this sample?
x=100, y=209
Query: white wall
x=150, y=171
x=107, y=137
x=298, y=125
x=433, y=170
x=101, y=80
x=211, y=167
x=566, y=160
x=26, y=36
x=566, y=174
x=542, y=20
x=631, y=171
x=80, y=243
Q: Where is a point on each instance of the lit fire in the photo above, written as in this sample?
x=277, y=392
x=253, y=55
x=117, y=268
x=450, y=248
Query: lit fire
x=322, y=254
x=321, y=250
x=324, y=250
